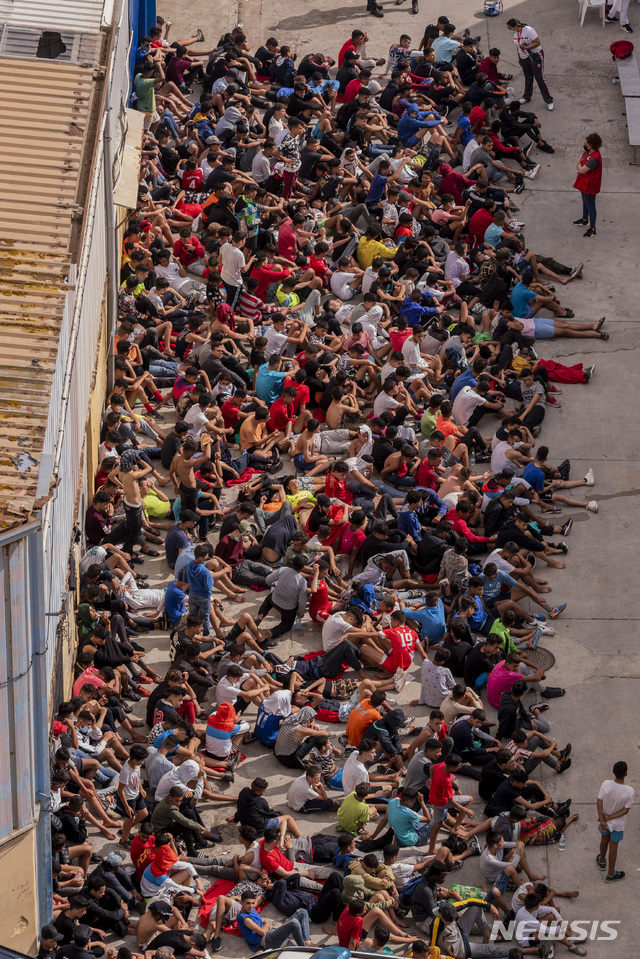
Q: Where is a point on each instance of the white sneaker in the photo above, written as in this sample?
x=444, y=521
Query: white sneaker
x=532, y=174
x=549, y=106
x=515, y=224
x=592, y=506
x=546, y=630
x=399, y=679
x=590, y=478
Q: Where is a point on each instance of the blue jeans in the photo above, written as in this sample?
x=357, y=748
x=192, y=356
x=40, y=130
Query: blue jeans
x=589, y=209
x=201, y=605
x=233, y=292
x=162, y=368
x=169, y=120
x=296, y=927
x=383, y=488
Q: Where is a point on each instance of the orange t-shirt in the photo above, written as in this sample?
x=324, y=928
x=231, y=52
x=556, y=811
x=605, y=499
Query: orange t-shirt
x=359, y=721
x=447, y=427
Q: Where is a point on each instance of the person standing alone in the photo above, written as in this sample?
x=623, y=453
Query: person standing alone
x=531, y=58
x=614, y=802
x=589, y=181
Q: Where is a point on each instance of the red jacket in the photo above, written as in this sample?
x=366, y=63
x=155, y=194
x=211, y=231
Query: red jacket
x=591, y=181
x=460, y=527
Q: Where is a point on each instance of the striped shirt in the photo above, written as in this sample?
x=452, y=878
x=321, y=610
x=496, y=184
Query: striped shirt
x=253, y=307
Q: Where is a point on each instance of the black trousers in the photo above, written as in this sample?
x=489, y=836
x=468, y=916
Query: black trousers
x=287, y=617
x=533, y=69
x=133, y=520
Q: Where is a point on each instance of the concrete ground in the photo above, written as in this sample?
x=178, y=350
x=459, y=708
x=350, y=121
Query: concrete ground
x=595, y=642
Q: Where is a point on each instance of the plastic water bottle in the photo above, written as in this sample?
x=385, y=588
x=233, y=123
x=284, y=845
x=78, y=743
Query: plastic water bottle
x=472, y=459
x=298, y=622
x=562, y=842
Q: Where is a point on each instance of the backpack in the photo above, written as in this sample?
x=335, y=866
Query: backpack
x=621, y=49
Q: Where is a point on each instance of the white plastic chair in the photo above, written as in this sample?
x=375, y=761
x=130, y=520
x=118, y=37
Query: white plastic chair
x=584, y=4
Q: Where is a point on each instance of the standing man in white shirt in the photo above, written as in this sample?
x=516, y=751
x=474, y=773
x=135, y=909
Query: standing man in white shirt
x=232, y=266
x=614, y=802
x=531, y=57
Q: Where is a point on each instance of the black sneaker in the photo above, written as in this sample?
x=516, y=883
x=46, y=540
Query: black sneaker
x=618, y=874
x=588, y=373
x=590, y=232
x=546, y=148
x=627, y=29
x=215, y=945
x=554, y=692
x=566, y=529
x=611, y=20
x=562, y=547
x=565, y=467
x=519, y=188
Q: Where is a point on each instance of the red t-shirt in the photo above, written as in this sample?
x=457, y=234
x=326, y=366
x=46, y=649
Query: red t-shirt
x=318, y=266
x=274, y=859
x=142, y=852
x=192, y=180
x=351, y=539
x=287, y=241
x=478, y=224
x=303, y=394
x=337, y=489
x=351, y=91
x=403, y=645
x=280, y=415
x=185, y=256
x=398, y=338
x=349, y=927
x=477, y=115
x=441, y=789
x=426, y=476
x=265, y=275
x=319, y=600
x=349, y=45
x=230, y=414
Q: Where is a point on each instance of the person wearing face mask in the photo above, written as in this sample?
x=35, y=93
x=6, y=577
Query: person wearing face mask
x=589, y=181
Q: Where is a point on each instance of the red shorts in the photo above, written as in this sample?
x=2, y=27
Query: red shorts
x=392, y=663
x=321, y=614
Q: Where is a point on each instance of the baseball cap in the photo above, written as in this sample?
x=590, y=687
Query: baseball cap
x=244, y=527
x=115, y=858
x=50, y=932
x=212, y=140
x=82, y=933
x=188, y=516
x=351, y=55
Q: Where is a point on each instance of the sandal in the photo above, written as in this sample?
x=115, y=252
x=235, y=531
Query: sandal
x=600, y=323
x=568, y=314
x=603, y=336
x=153, y=539
x=150, y=552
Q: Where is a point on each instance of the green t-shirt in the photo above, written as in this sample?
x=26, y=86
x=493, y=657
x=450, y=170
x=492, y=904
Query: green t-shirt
x=352, y=813
x=144, y=87
x=508, y=645
x=428, y=423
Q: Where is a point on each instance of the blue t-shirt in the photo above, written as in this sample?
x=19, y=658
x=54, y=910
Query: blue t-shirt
x=185, y=557
x=445, y=47
x=177, y=539
x=493, y=587
x=521, y=297
x=174, y=603
x=431, y=620
x=535, y=476
x=376, y=190
x=465, y=125
x=253, y=938
x=465, y=379
x=269, y=384
x=409, y=523
x=403, y=821
x=493, y=233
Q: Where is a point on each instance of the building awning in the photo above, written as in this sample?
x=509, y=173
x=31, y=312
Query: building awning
x=126, y=189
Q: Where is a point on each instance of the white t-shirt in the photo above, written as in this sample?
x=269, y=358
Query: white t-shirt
x=340, y=285
x=97, y=554
x=498, y=459
x=412, y=354
x=353, y=773
x=333, y=631
x=275, y=342
x=615, y=796
x=368, y=280
x=171, y=273
x=465, y=403
x=226, y=691
x=524, y=35
x=197, y=420
x=500, y=561
x=130, y=779
x=470, y=148
x=455, y=267
x=233, y=262
x=299, y=792
x=384, y=402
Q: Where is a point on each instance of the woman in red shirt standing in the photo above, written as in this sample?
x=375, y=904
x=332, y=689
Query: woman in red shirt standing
x=589, y=181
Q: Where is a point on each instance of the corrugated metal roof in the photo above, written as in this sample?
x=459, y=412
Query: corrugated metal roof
x=38, y=195
x=75, y=16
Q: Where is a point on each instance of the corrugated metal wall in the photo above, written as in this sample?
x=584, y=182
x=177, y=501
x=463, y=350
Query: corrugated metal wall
x=21, y=649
